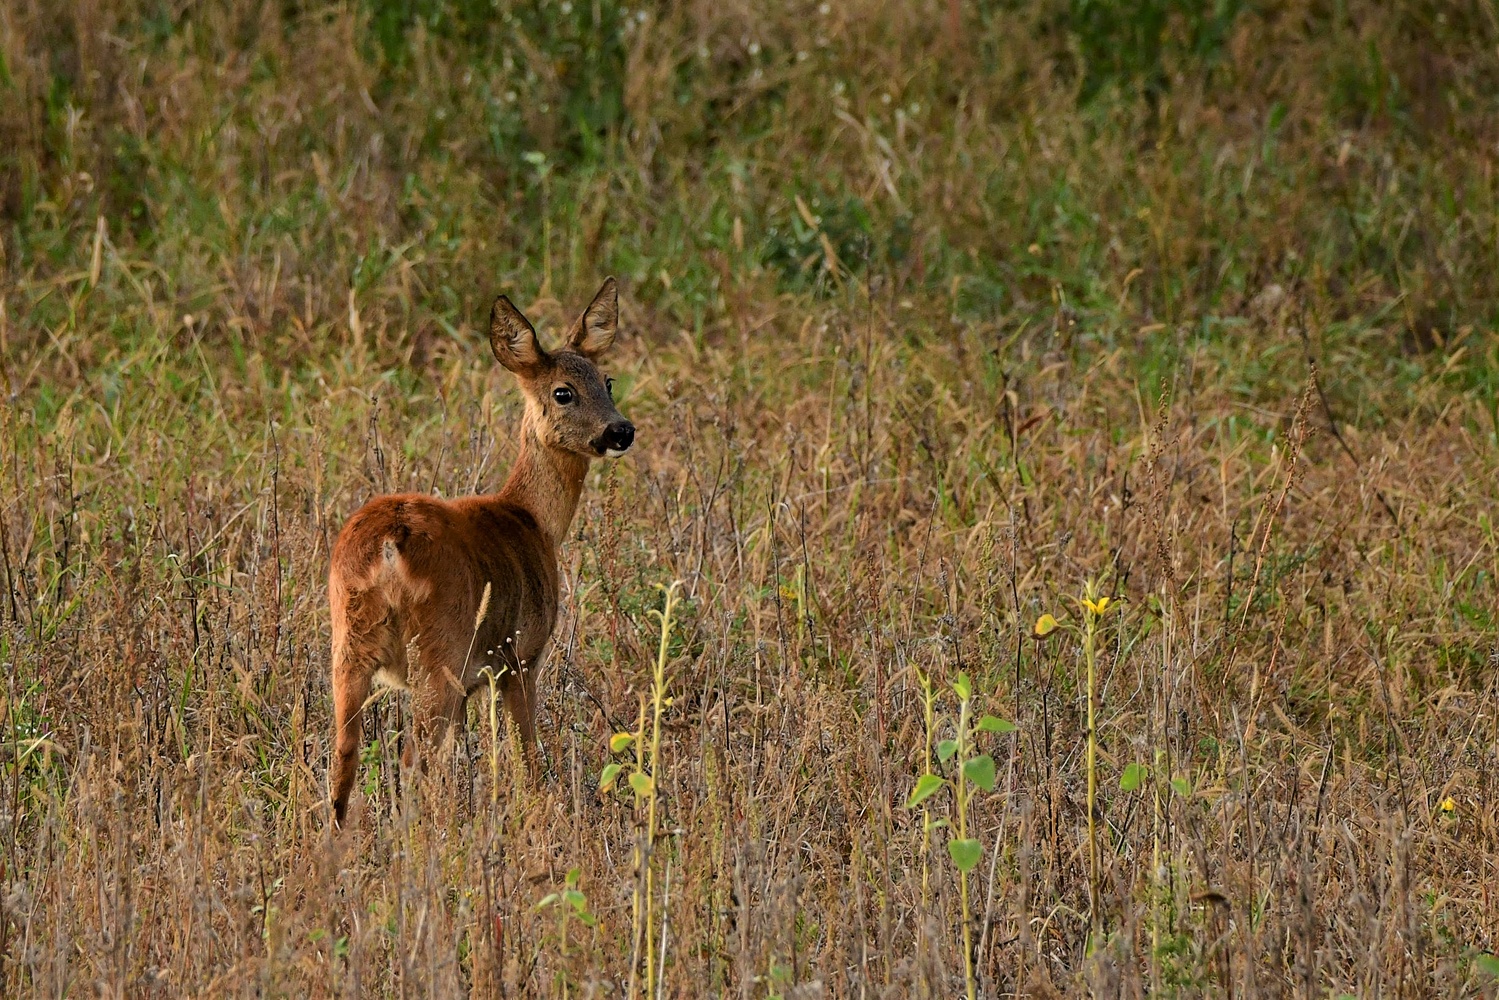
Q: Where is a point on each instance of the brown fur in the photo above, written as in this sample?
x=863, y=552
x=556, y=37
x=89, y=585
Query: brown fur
x=409, y=571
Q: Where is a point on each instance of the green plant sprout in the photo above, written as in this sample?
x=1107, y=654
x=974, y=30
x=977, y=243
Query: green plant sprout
x=643, y=784
x=969, y=771
x=570, y=904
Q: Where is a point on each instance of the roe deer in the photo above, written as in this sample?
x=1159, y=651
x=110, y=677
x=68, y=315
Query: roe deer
x=410, y=572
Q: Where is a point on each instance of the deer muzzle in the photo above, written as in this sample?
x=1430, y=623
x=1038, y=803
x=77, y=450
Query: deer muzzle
x=616, y=439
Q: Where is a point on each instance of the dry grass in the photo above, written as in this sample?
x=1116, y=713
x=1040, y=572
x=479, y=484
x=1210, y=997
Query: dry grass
x=933, y=314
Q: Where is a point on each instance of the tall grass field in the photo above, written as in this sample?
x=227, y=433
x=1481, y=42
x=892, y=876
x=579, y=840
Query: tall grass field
x=1058, y=556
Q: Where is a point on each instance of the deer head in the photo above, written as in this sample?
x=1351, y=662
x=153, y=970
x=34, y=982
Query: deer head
x=569, y=402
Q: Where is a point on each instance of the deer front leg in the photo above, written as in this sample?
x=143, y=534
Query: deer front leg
x=520, y=702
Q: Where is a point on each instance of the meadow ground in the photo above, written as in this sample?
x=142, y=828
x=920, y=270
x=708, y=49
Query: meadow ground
x=935, y=315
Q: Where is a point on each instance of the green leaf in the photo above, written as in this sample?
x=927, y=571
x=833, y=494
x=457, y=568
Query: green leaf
x=946, y=749
x=1183, y=787
x=576, y=900
x=992, y=724
x=925, y=786
x=620, y=742
x=608, y=777
x=1133, y=777
x=980, y=771
x=1488, y=964
x=588, y=918
x=965, y=853
x=547, y=900
x=963, y=686
x=574, y=874
x=641, y=782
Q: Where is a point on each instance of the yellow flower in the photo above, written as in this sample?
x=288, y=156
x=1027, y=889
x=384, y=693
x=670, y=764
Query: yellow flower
x=1098, y=607
x=1449, y=805
x=1045, y=626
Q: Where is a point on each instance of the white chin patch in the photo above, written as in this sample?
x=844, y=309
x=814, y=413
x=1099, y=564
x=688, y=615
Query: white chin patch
x=612, y=452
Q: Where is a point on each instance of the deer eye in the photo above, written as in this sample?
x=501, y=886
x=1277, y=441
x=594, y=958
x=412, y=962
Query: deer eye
x=562, y=394
x=609, y=387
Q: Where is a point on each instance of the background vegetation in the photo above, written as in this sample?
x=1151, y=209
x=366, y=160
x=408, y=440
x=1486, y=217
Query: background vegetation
x=935, y=312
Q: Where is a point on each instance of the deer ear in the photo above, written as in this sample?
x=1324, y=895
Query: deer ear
x=513, y=338
x=592, y=334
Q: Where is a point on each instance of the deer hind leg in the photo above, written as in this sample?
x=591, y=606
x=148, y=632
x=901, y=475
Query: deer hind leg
x=351, y=686
x=363, y=644
x=437, y=701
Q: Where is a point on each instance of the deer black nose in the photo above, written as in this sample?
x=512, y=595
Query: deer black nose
x=619, y=436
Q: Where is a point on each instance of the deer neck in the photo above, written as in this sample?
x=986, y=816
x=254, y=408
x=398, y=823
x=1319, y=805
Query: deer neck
x=546, y=482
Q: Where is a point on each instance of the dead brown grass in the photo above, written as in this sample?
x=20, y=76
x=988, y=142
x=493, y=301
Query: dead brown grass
x=244, y=276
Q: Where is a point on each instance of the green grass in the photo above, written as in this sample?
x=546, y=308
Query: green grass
x=931, y=313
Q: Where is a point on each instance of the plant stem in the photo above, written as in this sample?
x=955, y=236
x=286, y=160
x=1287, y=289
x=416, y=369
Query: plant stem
x=494, y=740
x=1090, y=656
x=638, y=908
x=927, y=697
x=960, y=783
x=562, y=973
